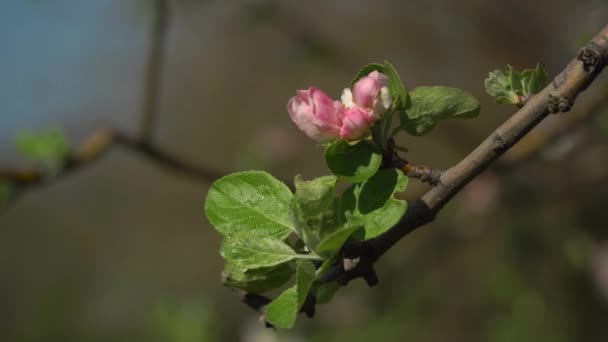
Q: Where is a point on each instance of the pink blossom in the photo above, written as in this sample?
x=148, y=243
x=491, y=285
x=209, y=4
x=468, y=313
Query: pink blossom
x=371, y=92
x=316, y=114
x=355, y=123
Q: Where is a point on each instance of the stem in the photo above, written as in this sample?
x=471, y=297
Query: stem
x=154, y=69
x=311, y=256
x=387, y=126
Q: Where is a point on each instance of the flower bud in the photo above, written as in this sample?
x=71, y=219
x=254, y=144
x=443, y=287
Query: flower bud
x=316, y=114
x=371, y=92
x=355, y=123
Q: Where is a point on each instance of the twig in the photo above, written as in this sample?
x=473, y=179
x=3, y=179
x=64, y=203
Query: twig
x=103, y=140
x=154, y=69
x=296, y=29
x=392, y=159
x=424, y=173
x=559, y=96
x=92, y=150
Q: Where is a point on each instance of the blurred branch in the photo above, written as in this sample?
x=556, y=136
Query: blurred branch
x=154, y=68
x=297, y=30
x=102, y=141
x=92, y=150
x=559, y=96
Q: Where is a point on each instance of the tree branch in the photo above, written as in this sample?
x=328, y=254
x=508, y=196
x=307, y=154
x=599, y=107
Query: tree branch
x=92, y=150
x=534, y=142
x=559, y=96
x=154, y=69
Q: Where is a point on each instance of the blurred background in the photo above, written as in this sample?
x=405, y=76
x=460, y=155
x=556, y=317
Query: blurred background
x=120, y=250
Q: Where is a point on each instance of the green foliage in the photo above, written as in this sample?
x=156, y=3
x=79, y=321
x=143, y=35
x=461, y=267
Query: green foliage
x=47, y=147
x=313, y=197
x=313, y=209
x=401, y=99
x=372, y=202
x=509, y=86
x=257, y=280
x=353, y=162
x=368, y=68
x=429, y=105
x=282, y=311
x=249, y=251
x=252, y=201
x=331, y=244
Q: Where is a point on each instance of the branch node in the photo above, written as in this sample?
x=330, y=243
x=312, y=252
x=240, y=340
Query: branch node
x=523, y=99
x=425, y=174
x=357, y=262
x=499, y=143
x=349, y=264
x=559, y=103
x=591, y=56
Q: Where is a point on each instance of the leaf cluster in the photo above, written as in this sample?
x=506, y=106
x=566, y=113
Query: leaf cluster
x=273, y=235
x=512, y=87
x=270, y=233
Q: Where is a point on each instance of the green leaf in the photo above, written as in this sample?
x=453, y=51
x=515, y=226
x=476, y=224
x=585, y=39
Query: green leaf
x=499, y=85
x=537, y=79
x=283, y=311
x=251, y=251
x=516, y=84
x=368, y=69
x=325, y=265
x=401, y=99
x=509, y=86
x=257, y=280
x=334, y=241
x=372, y=203
x=48, y=147
x=252, y=201
x=305, y=276
x=353, y=163
x=315, y=195
x=313, y=209
x=432, y=104
x=326, y=292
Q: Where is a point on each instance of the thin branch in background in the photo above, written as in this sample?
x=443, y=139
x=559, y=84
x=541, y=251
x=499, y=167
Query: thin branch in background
x=93, y=149
x=102, y=140
x=154, y=69
x=305, y=36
